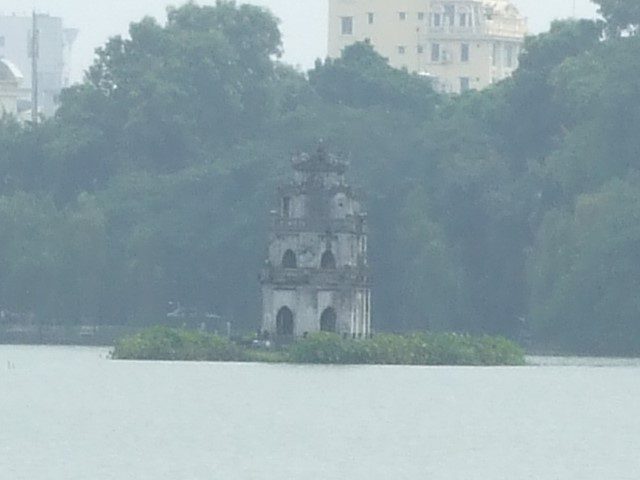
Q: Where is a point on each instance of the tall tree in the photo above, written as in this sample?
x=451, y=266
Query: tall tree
x=621, y=15
x=598, y=92
x=584, y=273
x=177, y=93
x=362, y=78
x=525, y=117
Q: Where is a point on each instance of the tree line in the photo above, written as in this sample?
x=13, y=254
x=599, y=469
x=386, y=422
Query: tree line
x=511, y=210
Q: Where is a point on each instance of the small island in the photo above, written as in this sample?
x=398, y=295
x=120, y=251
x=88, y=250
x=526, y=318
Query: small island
x=316, y=293
x=427, y=349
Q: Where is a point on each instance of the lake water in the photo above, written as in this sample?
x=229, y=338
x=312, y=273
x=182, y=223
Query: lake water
x=72, y=414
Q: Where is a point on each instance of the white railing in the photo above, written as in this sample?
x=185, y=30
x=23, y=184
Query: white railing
x=490, y=29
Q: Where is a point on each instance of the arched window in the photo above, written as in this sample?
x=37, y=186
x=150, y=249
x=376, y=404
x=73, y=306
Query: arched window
x=328, y=261
x=328, y=320
x=284, y=322
x=289, y=260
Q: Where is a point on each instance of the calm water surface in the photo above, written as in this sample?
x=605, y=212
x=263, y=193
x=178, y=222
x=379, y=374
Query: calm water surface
x=72, y=414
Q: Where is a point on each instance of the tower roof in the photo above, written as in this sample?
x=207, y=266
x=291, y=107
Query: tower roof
x=319, y=161
x=9, y=72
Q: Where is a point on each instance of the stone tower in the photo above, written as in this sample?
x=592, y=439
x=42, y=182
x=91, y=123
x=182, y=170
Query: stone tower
x=316, y=275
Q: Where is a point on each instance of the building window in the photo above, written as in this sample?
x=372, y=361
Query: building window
x=435, y=52
x=328, y=261
x=328, y=320
x=289, y=260
x=449, y=15
x=496, y=52
x=420, y=49
x=370, y=18
x=402, y=15
x=284, y=322
x=420, y=15
x=286, y=207
x=347, y=25
x=463, y=19
x=464, y=52
x=464, y=84
x=436, y=20
x=402, y=50
x=509, y=52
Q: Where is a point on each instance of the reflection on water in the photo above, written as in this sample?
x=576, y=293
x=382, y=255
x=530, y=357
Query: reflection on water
x=583, y=362
x=72, y=414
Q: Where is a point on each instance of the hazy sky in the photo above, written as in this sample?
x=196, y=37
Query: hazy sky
x=304, y=22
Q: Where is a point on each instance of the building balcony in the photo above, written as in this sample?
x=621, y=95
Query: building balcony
x=353, y=224
x=294, y=277
x=511, y=30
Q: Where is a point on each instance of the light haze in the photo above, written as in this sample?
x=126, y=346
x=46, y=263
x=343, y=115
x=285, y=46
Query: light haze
x=304, y=22
x=168, y=421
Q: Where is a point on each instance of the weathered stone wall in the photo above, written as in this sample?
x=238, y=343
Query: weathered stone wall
x=319, y=217
x=309, y=248
x=352, y=308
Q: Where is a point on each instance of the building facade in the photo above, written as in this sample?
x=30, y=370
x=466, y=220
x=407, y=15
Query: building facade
x=461, y=44
x=316, y=274
x=54, y=48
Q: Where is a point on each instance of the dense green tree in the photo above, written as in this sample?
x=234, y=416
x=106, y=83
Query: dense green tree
x=169, y=96
x=362, y=78
x=584, y=273
x=24, y=156
x=52, y=263
x=483, y=208
x=431, y=277
x=154, y=181
x=599, y=92
x=29, y=258
x=524, y=115
x=621, y=15
x=193, y=237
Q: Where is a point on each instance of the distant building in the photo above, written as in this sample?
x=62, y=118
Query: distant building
x=461, y=44
x=54, y=51
x=316, y=276
x=10, y=82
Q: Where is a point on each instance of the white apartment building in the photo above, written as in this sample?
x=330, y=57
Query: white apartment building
x=54, y=50
x=461, y=44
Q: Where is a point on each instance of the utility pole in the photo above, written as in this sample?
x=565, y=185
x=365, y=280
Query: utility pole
x=35, y=53
x=574, y=9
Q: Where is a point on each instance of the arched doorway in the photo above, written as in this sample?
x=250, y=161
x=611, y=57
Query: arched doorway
x=328, y=320
x=284, y=322
x=328, y=261
x=289, y=260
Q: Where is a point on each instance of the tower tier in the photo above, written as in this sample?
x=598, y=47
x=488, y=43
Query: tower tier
x=316, y=275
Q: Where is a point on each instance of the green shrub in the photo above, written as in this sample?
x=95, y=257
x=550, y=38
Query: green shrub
x=418, y=349
x=327, y=348
x=162, y=343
